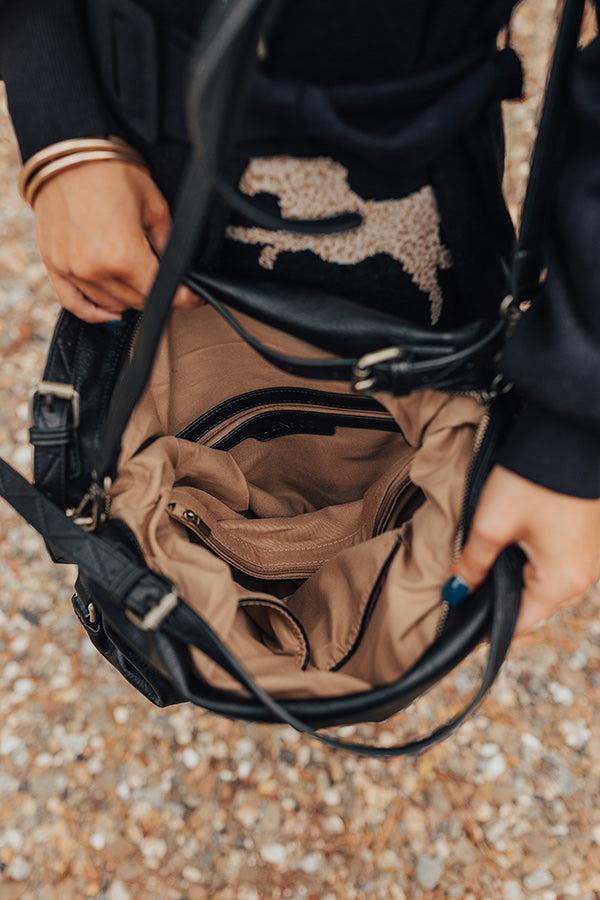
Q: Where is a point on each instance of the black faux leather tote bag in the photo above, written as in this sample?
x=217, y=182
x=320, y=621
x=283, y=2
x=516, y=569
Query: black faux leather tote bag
x=263, y=496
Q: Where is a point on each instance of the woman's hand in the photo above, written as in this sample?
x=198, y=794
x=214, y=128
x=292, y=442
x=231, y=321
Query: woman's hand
x=95, y=226
x=560, y=535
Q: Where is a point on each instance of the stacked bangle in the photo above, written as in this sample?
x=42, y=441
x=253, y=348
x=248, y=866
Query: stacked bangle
x=64, y=155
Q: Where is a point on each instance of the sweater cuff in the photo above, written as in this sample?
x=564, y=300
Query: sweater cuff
x=554, y=453
x=50, y=83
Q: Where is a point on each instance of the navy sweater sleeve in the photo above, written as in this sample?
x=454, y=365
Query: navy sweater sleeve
x=45, y=64
x=554, y=354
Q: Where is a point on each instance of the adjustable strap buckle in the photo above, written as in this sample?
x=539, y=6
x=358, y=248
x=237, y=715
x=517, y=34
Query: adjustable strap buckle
x=363, y=377
x=156, y=614
x=60, y=391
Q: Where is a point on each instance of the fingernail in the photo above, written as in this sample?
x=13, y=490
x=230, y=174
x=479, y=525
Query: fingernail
x=114, y=323
x=455, y=590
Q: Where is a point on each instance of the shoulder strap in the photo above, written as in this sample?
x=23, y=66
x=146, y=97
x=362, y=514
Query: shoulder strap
x=528, y=256
x=224, y=61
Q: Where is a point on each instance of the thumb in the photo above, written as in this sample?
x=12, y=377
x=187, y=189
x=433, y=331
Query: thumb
x=158, y=232
x=158, y=229
x=473, y=565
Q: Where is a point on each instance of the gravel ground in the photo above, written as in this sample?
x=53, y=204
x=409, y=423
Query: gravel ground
x=105, y=796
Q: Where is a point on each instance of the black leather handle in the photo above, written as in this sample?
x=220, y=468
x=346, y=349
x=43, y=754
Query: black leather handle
x=218, y=52
x=308, y=313
x=191, y=628
x=440, y=366
x=528, y=256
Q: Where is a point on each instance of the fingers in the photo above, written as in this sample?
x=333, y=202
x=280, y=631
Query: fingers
x=94, y=226
x=474, y=564
x=547, y=589
x=109, y=294
x=138, y=275
x=186, y=299
x=159, y=229
x=73, y=300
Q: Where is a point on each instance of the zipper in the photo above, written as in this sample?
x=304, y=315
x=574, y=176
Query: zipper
x=371, y=602
x=191, y=520
x=459, y=539
x=285, y=397
x=203, y=531
x=133, y=335
x=266, y=426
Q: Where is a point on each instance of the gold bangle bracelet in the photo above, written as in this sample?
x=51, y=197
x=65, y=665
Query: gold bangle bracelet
x=67, y=148
x=51, y=169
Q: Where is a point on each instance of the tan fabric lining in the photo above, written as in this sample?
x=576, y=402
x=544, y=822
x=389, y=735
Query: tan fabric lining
x=326, y=511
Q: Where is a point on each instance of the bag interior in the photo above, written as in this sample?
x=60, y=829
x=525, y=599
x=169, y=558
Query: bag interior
x=312, y=527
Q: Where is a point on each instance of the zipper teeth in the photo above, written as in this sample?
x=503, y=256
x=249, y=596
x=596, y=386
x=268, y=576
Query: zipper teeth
x=459, y=539
x=371, y=602
x=443, y=618
x=133, y=335
x=480, y=434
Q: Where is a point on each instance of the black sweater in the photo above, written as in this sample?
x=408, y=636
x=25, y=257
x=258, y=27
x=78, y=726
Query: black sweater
x=554, y=355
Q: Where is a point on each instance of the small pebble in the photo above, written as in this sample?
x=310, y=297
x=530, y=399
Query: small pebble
x=19, y=869
x=153, y=848
x=332, y=797
x=488, y=750
x=118, y=891
x=190, y=758
x=494, y=767
x=561, y=694
x=244, y=768
x=273, y=853
x=24, y=686
x=576, y=734
x=312, y=864
x=512, y=890
x=120, y=714
x=429, y=872
x=334, y=825
x=192, y=874
x=531, y=742
x=539, y=879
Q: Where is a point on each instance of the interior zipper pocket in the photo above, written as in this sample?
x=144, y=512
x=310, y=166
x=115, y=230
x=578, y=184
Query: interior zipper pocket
x=275, y=412
x=282, y=548
x=267, y=426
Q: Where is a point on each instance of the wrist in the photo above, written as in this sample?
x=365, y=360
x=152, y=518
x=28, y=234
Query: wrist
x=64, y=155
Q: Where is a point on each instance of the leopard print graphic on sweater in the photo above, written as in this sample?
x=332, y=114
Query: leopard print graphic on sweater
x=406, y=229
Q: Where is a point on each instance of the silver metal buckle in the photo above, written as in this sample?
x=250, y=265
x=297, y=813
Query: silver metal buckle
x=155, y=616
x=363, y=379
x=62, y=392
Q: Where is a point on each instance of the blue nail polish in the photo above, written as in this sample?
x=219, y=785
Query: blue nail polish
x=455, y=590
x=116, y=323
